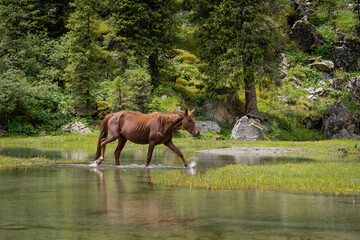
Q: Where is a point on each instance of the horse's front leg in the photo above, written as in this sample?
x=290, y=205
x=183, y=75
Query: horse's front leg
x=171, y=145
x=150, y=152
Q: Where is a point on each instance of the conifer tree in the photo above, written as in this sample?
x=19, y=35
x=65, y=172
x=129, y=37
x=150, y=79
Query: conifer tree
x=146, y=28
x=240, y=42
x=84, y=55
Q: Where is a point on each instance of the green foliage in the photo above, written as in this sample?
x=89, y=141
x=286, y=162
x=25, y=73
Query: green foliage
x=131, y=90
x=306, y=74
x=187, y=57
x=240, y=43
x=83, y=70
x=295, y=55
x=59, y=58
x=350, y=104
x=163, y=100
x=146, y=28
x=328, y=36
x=346, y=21
x=26, y=106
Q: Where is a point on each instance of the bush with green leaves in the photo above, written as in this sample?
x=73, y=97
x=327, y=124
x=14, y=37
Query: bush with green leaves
x=25, y=106
x=328, y=35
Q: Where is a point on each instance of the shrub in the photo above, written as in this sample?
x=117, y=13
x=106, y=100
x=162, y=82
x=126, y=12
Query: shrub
x=328, y=35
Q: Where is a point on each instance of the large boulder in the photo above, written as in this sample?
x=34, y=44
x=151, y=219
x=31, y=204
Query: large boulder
x=224, y=112
x=207, y=126
x=75, y=127
x=339, y=123
x=346, y=55
x=246, y=130
x=3, y=133
x=304, y=33
x=324, y=66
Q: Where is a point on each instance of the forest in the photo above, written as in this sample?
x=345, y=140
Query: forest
x=64, y=60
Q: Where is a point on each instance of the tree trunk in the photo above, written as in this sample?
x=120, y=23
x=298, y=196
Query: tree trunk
x=154, y=69
x=250, y=98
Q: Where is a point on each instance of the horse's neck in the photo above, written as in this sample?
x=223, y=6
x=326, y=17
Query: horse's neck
x=175, y=124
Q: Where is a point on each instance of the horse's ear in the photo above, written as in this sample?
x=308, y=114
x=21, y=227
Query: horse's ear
x=192, y=111
x=186, y=111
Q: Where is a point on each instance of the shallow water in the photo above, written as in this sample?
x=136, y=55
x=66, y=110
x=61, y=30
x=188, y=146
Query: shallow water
x=137, y=156
x=77, y=201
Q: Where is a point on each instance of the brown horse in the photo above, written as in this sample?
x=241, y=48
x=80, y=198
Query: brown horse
x=153, y=129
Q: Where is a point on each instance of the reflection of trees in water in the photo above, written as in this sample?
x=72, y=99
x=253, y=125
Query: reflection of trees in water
x=22, y=152
x=130, y=204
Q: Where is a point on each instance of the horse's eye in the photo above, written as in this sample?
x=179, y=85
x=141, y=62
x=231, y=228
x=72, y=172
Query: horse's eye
x=190, y=120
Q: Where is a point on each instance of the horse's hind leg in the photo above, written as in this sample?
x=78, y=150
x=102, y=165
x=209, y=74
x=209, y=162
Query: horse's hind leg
x=104, y=141
x=119, y=148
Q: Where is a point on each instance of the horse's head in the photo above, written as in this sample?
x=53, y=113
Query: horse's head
x=189, y=123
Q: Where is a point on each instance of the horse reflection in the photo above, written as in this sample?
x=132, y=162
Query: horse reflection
x=126, y=206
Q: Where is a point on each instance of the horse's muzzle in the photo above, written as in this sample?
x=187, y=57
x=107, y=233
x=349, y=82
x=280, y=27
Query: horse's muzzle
x=196, y=133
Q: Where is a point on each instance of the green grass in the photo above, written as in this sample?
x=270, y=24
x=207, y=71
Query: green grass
x=63, y=140
x=335, y=169
x=336, y=178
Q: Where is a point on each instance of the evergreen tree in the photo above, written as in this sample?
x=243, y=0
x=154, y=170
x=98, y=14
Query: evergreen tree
x=131, y=90
x=240, y=41
x=146, y=28
x=84, y=55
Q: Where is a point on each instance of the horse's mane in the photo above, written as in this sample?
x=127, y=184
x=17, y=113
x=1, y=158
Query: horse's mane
x=166, y=118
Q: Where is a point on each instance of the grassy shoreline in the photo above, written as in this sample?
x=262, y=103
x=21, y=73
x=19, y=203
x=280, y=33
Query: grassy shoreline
x=335, y=167
x=337, y=178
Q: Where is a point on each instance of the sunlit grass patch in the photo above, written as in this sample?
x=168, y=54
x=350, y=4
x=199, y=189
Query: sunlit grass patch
x=7, y=161
x=336, y=178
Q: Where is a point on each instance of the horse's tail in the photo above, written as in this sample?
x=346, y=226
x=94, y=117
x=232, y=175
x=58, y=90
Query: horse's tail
x=103, y=134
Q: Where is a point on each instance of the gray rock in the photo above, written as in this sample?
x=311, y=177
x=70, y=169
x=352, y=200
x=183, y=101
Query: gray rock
x=324, y=66
x=304, y=33
x=323, y=83
x=75, y=127
x=207, y=126
x=224, y=111
x=284, y=99
x=338, y=122
x=42, y=134
x=346, y=55
x=297, y=83
x=284, y=64
x=313, y=122
x=246, y=130
x=3, y=133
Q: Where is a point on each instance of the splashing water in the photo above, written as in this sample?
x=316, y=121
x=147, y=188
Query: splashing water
x=93, y=164
x=193, y=162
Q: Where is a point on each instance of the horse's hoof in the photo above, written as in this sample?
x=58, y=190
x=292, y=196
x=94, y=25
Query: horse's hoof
x=99, y=161
x=186, y=164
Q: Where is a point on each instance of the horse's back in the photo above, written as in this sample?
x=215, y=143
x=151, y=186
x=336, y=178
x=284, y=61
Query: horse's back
x=134, y=126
